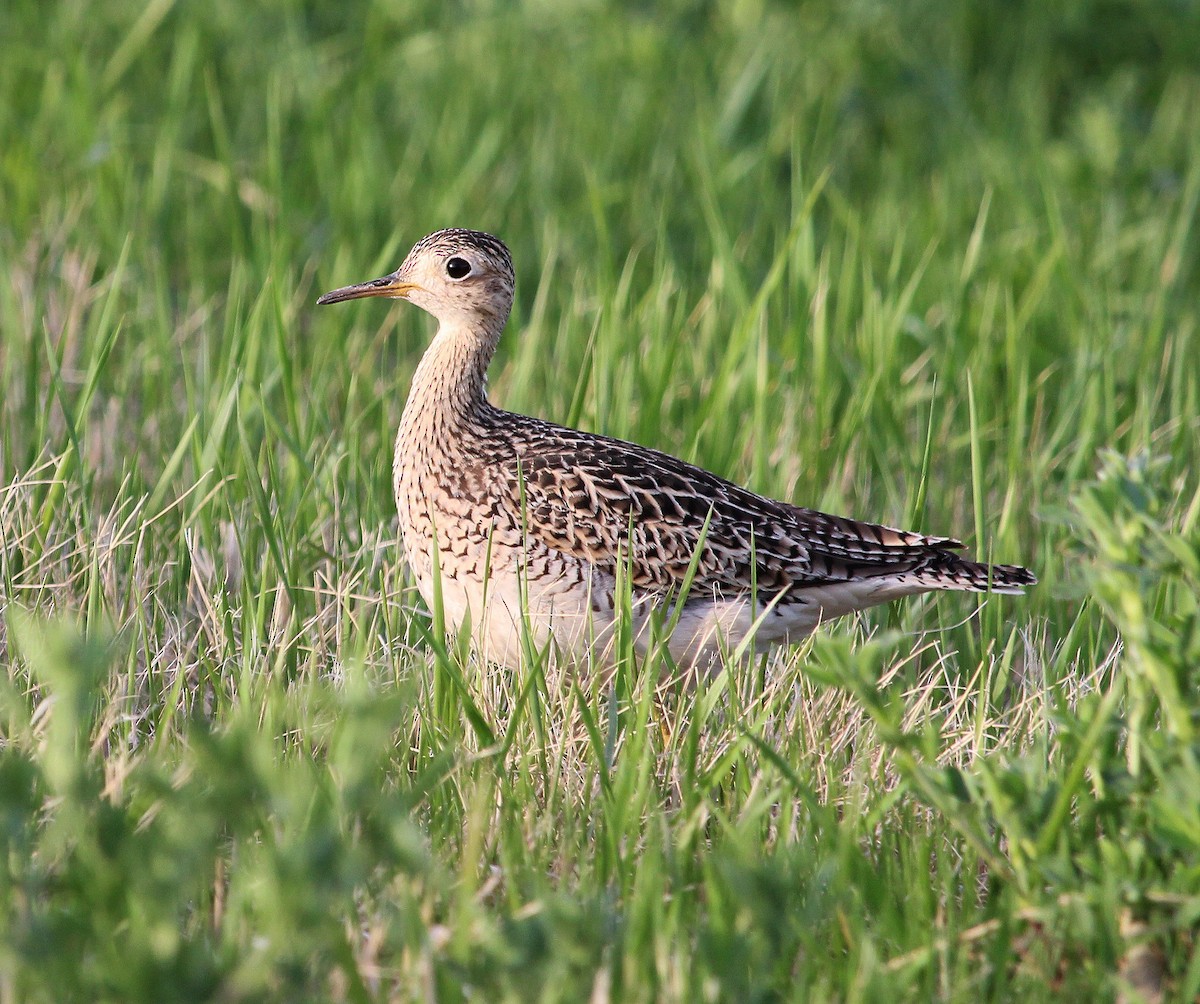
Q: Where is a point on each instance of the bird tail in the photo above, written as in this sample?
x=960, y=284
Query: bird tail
x=953, y=572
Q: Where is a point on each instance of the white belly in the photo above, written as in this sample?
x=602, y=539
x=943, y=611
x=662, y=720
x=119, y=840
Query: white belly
x=563, y=608
x=511, y=617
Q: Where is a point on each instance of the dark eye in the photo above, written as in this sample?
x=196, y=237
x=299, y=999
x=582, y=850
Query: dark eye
x=458, y=268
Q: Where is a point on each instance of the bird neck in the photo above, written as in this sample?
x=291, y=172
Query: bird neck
x=448, y=392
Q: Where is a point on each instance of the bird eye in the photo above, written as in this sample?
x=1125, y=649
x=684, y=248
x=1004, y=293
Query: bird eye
x=458, y=268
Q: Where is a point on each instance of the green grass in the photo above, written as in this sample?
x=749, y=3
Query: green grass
x=934, y=264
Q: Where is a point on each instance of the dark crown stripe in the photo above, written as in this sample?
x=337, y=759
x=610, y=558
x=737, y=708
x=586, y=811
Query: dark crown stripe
x=446, y=242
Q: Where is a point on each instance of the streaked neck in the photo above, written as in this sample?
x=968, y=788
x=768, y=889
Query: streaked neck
x=449, y=387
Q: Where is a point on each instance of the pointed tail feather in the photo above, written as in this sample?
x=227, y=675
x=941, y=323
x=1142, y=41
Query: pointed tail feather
x=952, y=572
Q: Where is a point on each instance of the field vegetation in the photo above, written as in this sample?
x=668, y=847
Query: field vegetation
x=935, y=264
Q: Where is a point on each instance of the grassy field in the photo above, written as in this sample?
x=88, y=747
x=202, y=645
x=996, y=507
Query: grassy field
x=935, y=264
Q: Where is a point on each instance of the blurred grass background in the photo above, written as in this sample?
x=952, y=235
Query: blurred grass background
x=929, y=263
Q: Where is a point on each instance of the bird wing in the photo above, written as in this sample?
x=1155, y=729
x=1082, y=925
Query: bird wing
x=612, y=502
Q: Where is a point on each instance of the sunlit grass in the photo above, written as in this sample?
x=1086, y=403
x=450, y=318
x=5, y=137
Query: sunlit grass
x=939, y=270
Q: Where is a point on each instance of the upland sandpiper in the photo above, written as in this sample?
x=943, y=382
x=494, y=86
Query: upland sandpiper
x=528, y=524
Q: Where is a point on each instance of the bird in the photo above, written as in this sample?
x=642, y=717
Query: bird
x=527, y=532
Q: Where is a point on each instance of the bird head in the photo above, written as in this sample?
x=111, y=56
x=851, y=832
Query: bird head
x=462, y=277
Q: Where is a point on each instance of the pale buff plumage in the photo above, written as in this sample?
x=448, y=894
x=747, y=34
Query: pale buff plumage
x=527, y=523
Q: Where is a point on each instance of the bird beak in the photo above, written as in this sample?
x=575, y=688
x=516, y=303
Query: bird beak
x=389, y=285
